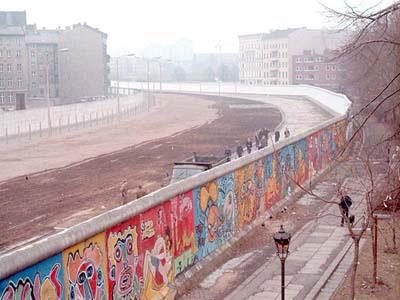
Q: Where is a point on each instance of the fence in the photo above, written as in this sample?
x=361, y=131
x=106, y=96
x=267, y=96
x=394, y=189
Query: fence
x=35, y=123
x=138, y=249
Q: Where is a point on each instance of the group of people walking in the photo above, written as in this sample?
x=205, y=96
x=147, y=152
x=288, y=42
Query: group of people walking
x=261, y=141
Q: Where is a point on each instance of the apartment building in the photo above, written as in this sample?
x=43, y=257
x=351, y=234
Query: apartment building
x=266, y=58
x=84, y=66
x=13, y=72
x=324, y=70
x=42, y=58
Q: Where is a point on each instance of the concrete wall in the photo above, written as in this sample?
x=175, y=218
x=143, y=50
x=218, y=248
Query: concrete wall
x=139, y=248
x=20, y=122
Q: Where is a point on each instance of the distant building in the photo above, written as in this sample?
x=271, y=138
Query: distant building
x=42, y=54
x=13, y=61
x=318, y=69
x=84, y=67
x=266, y=58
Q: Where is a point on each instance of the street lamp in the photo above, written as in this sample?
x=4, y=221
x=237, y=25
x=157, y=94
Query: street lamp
x=118, y=100
x=48, y=87
x=282, y=240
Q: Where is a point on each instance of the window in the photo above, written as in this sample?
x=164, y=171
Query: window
x=19, y=82
x=9, y=67
x=1, y=98
x=333, y=68
x=18, y=53
x=10, y=98
x=298, y=59
x=1, y=53
x=33, y=73
x=8, y=53
x=328, y=68
x=19, y=67
x=33, y=85
x=333, y=76
x=1, y=82
x=9, y=82
x=299, y=77
x=328, y=77
x=1, y=68
x=33, y=53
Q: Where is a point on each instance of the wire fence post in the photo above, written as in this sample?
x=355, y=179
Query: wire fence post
x=30, y=131
x=6, y=135
x=40, y=128
x=59, y=125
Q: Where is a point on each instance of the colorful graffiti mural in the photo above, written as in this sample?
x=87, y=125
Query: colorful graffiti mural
x=123, y=259
x=272, y=181
x=301, y=161
x=85, y=269
x=140, y=257
x=214, y=214
x=41, y=281
x=156, y=251
x=245, y=196
x=286, y=161
x=182, y=224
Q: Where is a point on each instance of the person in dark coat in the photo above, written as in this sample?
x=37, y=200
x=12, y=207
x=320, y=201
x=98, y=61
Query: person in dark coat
x=344, y=204
x=287, y=132
x=257, y=142
x=228, y=154
x=239, y=150
x=277, y=136
x=249, y=145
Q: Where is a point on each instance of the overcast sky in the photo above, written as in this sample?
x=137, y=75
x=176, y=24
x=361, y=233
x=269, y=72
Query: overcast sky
x=132, y=24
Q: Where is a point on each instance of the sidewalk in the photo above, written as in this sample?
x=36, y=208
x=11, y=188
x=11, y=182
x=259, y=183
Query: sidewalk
x=315, y=251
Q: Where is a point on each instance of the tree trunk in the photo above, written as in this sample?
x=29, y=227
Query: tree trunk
x=374, y=243
x=355, y=265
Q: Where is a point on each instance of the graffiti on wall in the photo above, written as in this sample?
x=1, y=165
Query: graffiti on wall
x=123, y=258
x=85, y=269
x=227, y=206
x=245, y=196
x=314, y=153
x=286, y=161
x=259, y=185
x=182, y=224
x=300, y=161
x=156, y=255
x=272, y=181
x=215, y=213
x=41, y=281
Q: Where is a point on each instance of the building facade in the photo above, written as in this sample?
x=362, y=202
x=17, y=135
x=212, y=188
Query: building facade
x=321, y=70
x=13, y=61
x=84, y=67
x=42, y=59
x=266, y=58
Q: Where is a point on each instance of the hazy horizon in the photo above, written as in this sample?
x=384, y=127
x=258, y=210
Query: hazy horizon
x=134, y=25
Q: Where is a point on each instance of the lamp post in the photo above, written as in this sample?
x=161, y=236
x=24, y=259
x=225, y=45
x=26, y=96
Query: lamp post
x=282, y=240
x=118, y=100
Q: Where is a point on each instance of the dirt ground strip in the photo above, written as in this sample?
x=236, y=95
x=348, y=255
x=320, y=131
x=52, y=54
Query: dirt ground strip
x=59, y=198
x=388, y=286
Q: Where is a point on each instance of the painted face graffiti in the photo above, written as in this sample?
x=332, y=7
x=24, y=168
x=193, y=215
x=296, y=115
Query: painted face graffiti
x=49, y=288
x=85, y=274
x=123, y=259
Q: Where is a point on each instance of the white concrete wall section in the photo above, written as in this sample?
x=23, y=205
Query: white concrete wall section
x=20, y=122
x=334, y=102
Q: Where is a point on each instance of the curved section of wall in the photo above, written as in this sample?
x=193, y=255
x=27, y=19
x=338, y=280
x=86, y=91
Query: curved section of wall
x=138, y=249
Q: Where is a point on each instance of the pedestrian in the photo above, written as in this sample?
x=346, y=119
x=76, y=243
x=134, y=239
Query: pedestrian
x=257, y=141
x=344, y=205
x=277, y=136
x=228, y=154
x=263, y=142
x=124, y=191
x=287, y=132
x=140, y=192
x=194, y=157
x=239, y=150
x=249, y=144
